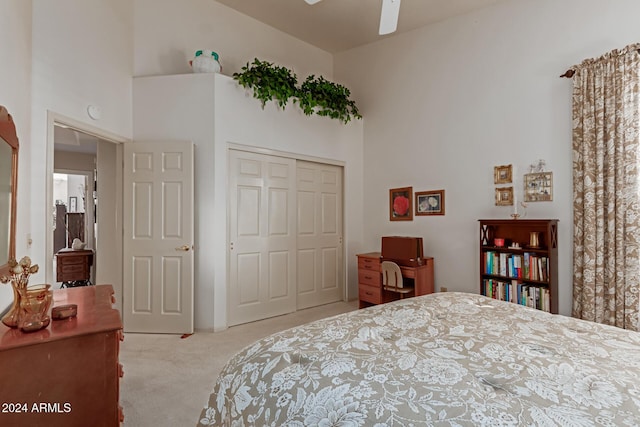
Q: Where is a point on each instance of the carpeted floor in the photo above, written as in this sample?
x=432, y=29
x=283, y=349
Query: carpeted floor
x=168, y=380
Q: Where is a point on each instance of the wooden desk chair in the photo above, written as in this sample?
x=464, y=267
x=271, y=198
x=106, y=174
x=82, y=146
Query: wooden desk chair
x=392, y=279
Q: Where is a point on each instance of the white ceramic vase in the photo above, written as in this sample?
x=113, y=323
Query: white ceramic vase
x=206, y=61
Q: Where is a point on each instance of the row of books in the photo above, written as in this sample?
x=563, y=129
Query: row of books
x=516, y=292
x=528, y=265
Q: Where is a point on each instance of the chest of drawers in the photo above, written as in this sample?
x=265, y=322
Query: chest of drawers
x=73, y=267
x=66, y=374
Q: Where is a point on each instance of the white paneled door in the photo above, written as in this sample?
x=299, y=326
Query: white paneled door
x=262, y=255
x=158, y=237
x=319, y=229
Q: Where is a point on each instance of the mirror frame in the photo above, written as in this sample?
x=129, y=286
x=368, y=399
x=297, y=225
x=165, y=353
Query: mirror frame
x=8, y=134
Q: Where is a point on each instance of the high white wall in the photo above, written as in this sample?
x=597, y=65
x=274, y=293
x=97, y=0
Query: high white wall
x=15, y=94
x=169, y=32
x=445, y=104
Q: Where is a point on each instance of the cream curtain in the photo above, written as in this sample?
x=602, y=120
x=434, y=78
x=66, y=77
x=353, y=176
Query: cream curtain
x=605, y=188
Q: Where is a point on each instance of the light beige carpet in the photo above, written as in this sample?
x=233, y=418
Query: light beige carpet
x=168, y=380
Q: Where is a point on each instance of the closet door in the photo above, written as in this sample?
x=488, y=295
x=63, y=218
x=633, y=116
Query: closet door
x=262, y=256
x=319, y=228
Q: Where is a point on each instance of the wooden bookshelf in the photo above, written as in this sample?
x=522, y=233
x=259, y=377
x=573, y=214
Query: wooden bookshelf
x=517, y=271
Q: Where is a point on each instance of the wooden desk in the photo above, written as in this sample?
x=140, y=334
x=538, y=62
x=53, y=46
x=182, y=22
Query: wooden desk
x=370, y=279
x=73, y=267
x=68, y=370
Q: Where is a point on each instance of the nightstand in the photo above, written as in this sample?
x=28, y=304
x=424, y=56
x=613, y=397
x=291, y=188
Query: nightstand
x=73, y=267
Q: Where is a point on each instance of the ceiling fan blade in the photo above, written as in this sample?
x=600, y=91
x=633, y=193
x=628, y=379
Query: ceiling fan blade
x=312, y=1
x=389, y=16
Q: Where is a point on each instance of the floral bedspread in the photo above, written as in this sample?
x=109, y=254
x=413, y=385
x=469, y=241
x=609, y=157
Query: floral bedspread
x=446, y=359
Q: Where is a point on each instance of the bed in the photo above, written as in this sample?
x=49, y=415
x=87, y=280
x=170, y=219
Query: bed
x=445, y=359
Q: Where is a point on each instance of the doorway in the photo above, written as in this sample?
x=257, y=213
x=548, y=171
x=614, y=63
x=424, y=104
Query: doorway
x=77, y=148
x=74, y=218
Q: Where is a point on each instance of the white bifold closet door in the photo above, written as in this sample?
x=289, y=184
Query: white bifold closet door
x=285, y=231
x=262, y=252
x=319, y=228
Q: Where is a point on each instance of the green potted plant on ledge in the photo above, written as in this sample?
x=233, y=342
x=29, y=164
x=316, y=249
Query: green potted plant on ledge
x=269, y=82
x=326, y=98
x=317, y=95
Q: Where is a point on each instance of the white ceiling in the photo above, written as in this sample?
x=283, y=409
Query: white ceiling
x=66, y=139
x=338, y=25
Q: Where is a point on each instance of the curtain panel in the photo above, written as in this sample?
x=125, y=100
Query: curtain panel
x=605, y=188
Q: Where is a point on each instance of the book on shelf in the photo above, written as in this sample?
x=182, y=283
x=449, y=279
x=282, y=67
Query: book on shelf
x=526, y=266
x=518, y=293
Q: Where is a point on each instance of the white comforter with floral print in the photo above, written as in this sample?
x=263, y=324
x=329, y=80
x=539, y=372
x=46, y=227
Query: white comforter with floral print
x=446, y=359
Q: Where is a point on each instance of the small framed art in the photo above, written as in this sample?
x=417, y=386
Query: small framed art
x=502, y=174
x=538, y=187
x=430, y=202
x=73, y=204
x=400, y=201
x=504, y=196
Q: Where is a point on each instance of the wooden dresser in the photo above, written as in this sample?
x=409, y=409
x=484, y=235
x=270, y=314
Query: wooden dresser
x=73, y=267
x=68, y=373
x=370, y=290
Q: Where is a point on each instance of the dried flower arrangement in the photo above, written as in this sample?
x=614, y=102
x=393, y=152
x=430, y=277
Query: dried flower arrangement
x=19, y=272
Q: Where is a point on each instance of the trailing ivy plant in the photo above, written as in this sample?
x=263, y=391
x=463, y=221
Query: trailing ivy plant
x=326, y=98
x=269, y=82
x=317, y=95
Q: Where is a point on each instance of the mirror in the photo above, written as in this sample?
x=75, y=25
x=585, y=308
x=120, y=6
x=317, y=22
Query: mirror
x=8, y=188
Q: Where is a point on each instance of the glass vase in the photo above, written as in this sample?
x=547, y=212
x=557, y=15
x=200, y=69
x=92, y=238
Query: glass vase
x=34, y=308
x=10, y=319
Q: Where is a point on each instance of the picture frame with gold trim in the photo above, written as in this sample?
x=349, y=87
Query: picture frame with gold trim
x=538, y=187
x=504, y=196
x=502, y=174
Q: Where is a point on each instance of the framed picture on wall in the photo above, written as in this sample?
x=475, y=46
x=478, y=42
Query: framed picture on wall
x=504, y=196
x=538, y=187
x=430, y=202
x=73, y=204
x=502, y=174
x=400, y=204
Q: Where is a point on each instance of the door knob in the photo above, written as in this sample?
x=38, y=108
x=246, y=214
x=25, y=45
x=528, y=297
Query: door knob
x=184, y=248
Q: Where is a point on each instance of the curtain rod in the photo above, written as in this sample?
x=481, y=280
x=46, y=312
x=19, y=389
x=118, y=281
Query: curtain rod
x=571, y=71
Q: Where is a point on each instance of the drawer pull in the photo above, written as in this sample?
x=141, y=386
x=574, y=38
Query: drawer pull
x=368, y=277
x=120, y=370
x=120, y=414
x=369, y=293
